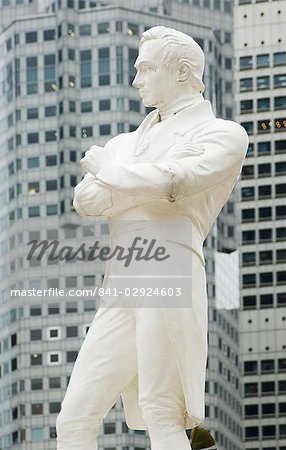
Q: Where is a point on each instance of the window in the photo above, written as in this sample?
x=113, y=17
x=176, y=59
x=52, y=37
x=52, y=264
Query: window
x=281, y=299
x=36, y=359
x=72, y=331
x=36, y=384
x=71, y=356
x=268, y=431
x=34, y=211
x=247, y=171
x=85, y=30
x=251, y=433
x=279, y=58
x=132, y=55
x=51, y=185
x=49, y=35
x=89, y=305
x=50, y=111
x=263, y=104
x=33, y=187
x=52, y=210
x=268, y=409
x=250, y=411
x=32, y=113
x=248, y=237
x=264, y=170
x=36, y=335
x=245, y=62
x=249, y=302
x=250, y=367
x=247, y=193
x=53, y=333
x=248, y=126
x=282, y=386
x=51, y=135
x=245, y=84
x=280, y=124
x=50, y=73
x=264, y=148
x=53, y=308
x=54, y=407
x=248, y=215
x=37, y=408
x=71, y=307
x=262, y=60
x=280, y=102
x=279, y=80
x=54, y=382
x=281, y=234
x=86, y=107
x=110, y=428
x=282, y=365
x=249, y=279
x=265, y=278
x=35, y=310
x=33, y=138
x=280, y=190
x=280, y=146
x=31, y=37
x=71, y=54
x=268, y=387
x=246, y=106
x=54, y=358
x=104, y=129
x=282, y=409
x=104, y=66
x=248, y=259
x=85, y=68
x=280, y=168
x=266, y=301
x=281, y=277
x=250, y=150
x=263, y=82
x=119, y=65
x=51, y=160
x=134, y=105
x=32, y=74
x=104, y=105
x=86, y=132
x=103, y=28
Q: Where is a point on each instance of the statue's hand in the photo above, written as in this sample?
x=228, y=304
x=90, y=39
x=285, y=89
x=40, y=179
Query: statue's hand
x=94, y=159
x=187, y=149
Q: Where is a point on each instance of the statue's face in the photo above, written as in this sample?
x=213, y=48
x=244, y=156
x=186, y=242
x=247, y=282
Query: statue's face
x=157, y=84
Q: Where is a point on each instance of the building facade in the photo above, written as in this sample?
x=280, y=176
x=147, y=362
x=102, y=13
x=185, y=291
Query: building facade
x=260, y=49
x=65, y=83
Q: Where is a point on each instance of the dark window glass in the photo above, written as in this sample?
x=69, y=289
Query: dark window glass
x=282, y=365
x=251, y=433
x=54, y=382
x=72, y=331
x=249, y=302
x=250, y=410
x=248, y=236
x=280, y=102
x=268, y=409
x=245, y=62
x=247, y=193
x=85, y=30
x=54, y=407
x=71, y=356
x=104, y=129
x=248, y=259
x=265, y=213
x=36, y=359
x=264, y=191
x=103, y=28
x=248, y=126
x=264, y=170
x=279, y=80
x=268, y=431
x=36, y=335
x=35, y=310
x=86, y=132
x=247, y=171
x=263, y=104
x=263, y=82
x=268, y=387
x=36, y=384
x=31, y=37
x=266, y=300
x=37, y=408
x=281, y=234
x=50, y=111
x=32, y=113
x=281, y=277
x=280, y=190
x=245, y=84
x=280, y=212
x=249, y=279
x=250, y=367
x=49, y=35
x=104, y=105
x=248, y=215
x=33, y=138
x=267, y=365
x=110, y=428
x=51, y=135
x=246, y=106
x=263, y=148
x=262, y=60
x=279, y=58
x=86, y=107
x=280, y=168
x=51, y=160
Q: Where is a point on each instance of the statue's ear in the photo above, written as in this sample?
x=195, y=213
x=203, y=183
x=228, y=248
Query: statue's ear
x=184, y=72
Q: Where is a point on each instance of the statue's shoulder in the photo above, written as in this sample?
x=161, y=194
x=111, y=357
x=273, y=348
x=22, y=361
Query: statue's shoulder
x=225, y=128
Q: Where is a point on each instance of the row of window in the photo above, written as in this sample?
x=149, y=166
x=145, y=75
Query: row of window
x=265, y=257
x=265, y=365
x=255, y=389
x=262, y=104
x=262, y=192
x=85, y=132
x=264, y=279
x=262, y=82
x=266, y=432
x=263, y=235
x=263, y=214
x=265, y=170
x=264, y=301
x=264, y=410
x=265, y=125
x=247, y=62
x=55, y=333
x=266, y=147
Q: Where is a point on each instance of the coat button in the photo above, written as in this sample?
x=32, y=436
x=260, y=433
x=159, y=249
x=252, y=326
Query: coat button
x=171, y=198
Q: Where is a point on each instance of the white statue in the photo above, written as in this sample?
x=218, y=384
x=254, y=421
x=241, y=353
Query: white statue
x=168, y=179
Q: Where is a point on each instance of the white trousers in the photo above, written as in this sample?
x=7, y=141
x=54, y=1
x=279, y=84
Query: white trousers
x=120, y=343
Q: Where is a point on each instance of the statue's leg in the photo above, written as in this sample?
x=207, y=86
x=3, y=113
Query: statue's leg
x=161, y=396
x=106, y=363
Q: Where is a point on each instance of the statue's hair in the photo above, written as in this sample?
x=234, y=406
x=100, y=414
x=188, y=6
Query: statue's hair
x=178, y=47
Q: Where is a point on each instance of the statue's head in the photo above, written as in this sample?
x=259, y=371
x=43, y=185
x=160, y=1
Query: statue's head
x=169, y=64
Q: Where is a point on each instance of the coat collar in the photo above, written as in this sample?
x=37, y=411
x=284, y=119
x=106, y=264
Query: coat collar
x=184, y=120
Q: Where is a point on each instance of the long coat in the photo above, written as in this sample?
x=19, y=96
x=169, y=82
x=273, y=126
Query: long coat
x=179, y=172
